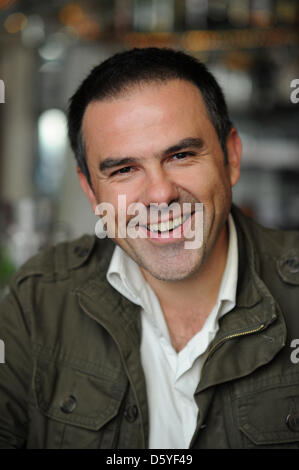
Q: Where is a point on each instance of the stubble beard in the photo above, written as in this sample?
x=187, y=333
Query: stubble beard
x=171, y=262
x=174, y=262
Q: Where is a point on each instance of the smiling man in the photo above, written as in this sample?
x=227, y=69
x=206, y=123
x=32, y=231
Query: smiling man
x=142, y=342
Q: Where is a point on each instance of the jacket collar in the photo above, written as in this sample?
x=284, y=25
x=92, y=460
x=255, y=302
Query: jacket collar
x=239, y=346
x=108, y=306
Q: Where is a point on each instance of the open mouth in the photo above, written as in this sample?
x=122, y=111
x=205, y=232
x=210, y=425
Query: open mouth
x=169, y=225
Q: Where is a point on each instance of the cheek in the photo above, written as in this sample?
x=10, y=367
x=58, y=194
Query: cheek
x=122, y=194
x=120, y=201
x=209, y=185
x=200, y=180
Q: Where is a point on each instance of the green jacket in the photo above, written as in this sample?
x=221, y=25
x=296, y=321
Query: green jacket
x=73, y=376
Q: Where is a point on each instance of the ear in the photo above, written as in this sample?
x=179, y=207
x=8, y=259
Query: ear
x=234, y=152
x=87, y=189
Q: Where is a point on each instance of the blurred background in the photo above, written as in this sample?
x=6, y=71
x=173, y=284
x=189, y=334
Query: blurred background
x=47, y=48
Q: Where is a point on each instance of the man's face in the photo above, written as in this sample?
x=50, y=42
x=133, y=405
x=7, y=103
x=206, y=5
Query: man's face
x=156, y=144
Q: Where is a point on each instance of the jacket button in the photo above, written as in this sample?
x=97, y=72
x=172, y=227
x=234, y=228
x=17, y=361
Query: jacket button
x=292, y=264
x=68, y=404
x=81, y=251
x=131, y=413
x=293, y=421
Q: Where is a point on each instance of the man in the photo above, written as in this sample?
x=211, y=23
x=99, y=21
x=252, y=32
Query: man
x=141, y=342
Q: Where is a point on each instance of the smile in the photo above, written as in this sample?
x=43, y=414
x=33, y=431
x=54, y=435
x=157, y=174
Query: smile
x=168, y=225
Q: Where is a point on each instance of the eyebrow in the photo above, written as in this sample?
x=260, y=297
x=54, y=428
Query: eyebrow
x=190, y=142
x=113, y=162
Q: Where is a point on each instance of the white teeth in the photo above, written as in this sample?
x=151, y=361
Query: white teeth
x=166, y=226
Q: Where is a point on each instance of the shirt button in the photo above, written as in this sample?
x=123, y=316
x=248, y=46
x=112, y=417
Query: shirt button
x=131, y=413
x=68, y=404
x=293, y=421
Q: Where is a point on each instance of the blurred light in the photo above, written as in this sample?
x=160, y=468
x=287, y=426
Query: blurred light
x=52, y=50
x=34, y=31
x=55, y=46
x=52, y=141
x=238, y=39
x=52, y=131
x=236, y=84
x=15, y=22
x=78, y=22
x=71, y=14
x=151, y=40
x=88, y=29
x=4, y=4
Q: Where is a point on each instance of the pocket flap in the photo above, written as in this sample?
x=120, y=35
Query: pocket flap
x=76, y=398
x=264, y=415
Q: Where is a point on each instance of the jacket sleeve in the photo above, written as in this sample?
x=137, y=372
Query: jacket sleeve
x=15, y=372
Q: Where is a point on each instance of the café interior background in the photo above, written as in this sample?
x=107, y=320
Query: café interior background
x=47, y=48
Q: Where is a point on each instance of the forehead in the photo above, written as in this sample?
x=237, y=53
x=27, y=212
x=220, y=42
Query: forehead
x=146, y=112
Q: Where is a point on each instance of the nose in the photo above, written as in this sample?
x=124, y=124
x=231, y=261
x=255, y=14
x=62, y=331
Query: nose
x=159, y=188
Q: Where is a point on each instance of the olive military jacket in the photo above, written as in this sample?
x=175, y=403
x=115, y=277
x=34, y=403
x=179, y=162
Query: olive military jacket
x=73, y=378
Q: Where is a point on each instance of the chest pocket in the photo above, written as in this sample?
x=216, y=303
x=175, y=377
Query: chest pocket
x=72, y=409
x=269, y=418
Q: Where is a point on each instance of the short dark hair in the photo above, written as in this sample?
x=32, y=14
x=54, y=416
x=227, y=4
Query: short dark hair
x=126, y=69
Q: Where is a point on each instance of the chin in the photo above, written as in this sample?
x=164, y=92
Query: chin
x=173, y=269
x=171, y=277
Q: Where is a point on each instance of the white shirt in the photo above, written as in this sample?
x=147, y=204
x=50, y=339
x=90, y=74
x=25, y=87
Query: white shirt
x=172, y=377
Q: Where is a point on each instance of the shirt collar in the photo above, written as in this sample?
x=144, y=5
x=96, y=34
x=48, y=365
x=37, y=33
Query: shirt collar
x=228, y=287
x=124, y=275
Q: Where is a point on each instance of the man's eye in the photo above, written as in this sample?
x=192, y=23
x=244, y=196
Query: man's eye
x=181, y=155
x=122, y=171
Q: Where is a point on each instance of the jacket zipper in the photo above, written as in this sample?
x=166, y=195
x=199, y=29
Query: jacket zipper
x=232, y=336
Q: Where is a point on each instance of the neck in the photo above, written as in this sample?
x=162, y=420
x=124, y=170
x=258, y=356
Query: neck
x=186, y=304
